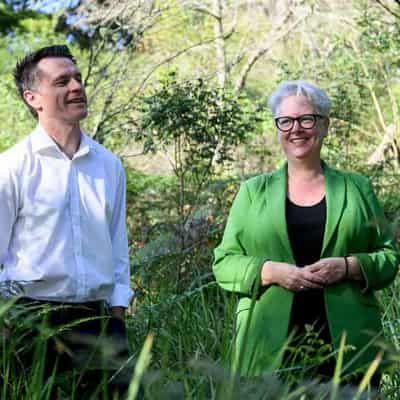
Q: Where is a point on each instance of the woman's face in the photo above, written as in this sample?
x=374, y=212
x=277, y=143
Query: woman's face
x=301, y=143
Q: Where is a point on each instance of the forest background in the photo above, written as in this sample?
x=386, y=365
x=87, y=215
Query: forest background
x=178, y=89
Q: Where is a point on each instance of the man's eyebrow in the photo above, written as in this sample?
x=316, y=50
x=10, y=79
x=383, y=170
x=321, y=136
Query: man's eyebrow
x=66, y=76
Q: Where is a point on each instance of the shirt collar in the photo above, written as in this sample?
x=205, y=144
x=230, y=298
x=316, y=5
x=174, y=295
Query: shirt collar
x=41, y=141
x=85, y=146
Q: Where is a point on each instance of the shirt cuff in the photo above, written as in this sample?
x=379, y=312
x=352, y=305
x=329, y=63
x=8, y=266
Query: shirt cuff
x=121, y=296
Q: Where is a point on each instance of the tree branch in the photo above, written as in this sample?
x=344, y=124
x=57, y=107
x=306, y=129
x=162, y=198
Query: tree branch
x=204, y=10
x=388, y=9
x=259, y=52
x=170, y=58
x=378, y=155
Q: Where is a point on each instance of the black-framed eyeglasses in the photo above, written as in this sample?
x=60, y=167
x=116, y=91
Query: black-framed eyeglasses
x=306, y=121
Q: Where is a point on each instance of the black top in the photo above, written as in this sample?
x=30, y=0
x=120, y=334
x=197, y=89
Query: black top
x=306, y=227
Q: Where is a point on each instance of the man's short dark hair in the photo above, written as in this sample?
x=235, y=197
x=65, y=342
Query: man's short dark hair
x=26, y=71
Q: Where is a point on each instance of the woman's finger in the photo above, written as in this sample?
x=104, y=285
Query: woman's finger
x=305, y=282
x=314, y=278
x=308, y=285
x=313, y=285
x=313, y=267
x=317, y=279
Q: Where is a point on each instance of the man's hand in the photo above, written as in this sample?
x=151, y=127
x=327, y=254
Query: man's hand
x=118, y=312
x=289, y=276
x=330, y=270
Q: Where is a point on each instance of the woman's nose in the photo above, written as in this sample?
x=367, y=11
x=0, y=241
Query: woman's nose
x=296, y=126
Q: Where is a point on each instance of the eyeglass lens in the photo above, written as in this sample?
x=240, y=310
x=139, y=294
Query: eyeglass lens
x=305, y=121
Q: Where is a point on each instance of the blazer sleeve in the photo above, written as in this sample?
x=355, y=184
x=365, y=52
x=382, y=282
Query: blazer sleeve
x=234, y=269
x=380, y=264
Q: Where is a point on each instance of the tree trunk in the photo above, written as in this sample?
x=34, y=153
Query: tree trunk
x=388, y=140
x=219, y=42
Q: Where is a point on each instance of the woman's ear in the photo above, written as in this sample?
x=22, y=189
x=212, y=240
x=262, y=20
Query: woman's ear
x=325, y=125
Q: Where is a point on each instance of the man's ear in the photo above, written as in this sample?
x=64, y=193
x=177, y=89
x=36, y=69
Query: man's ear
x=33, y=99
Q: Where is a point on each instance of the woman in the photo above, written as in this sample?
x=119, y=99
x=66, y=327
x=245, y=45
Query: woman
x=304, y=245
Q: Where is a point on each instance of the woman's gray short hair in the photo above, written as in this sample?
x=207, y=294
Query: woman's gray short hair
x=315, y=95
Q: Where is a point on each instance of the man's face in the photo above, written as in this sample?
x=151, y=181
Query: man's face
x=58, y=95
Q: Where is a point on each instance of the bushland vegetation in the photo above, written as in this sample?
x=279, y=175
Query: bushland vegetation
x=178, y=89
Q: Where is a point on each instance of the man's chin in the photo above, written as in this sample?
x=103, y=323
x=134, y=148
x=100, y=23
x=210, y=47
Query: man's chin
x=78, y=112
x=82, y=115
x=76, y=118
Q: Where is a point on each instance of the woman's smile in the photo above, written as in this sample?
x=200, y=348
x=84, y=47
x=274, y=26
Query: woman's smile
x=300, y=140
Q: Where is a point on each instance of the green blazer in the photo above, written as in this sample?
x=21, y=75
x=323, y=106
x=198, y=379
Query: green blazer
x=256, y=232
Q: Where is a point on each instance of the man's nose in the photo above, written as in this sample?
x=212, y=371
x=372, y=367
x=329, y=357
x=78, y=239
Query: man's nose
x=75, y=84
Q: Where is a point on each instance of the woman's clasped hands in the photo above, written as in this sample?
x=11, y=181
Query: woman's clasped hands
x=323, y=273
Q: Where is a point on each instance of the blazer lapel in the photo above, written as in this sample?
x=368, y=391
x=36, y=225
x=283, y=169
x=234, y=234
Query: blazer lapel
x=276, y=199
x=335, y=190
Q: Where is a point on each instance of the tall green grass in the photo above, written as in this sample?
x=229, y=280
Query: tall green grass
x=182, y=344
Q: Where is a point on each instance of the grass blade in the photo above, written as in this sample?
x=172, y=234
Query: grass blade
x=141, y=366
x=338, y=368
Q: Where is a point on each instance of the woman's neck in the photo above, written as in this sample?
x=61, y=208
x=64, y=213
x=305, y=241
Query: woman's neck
x=304, y=170
x=305, y=183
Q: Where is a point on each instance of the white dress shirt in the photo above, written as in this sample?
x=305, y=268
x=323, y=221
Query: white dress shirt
x=62, y=222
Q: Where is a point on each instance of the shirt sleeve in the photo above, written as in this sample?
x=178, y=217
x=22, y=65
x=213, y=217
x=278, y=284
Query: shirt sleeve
x=234, y=269
x=8, y=208
x=380, y=264
x=122, y=292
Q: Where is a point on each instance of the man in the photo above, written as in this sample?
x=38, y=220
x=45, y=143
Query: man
x=62, y=233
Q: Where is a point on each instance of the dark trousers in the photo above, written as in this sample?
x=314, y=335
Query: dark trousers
x=84, y=342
